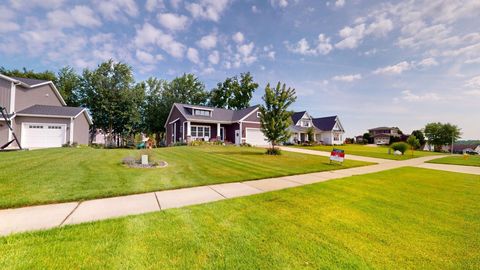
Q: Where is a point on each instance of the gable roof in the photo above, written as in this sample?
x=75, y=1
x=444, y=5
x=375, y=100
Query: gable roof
x=325, y=123
x=58, y=111
x=218, y=114
x=296, y=116
x=32, y=83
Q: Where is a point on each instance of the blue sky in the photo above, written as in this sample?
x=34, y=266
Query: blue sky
x=402, y=63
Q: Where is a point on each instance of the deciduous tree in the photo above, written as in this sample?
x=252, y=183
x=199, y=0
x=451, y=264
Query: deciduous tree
x=233, y=93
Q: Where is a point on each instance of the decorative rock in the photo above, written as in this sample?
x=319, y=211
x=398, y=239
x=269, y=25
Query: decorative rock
x=397, y=153
x=144, y=159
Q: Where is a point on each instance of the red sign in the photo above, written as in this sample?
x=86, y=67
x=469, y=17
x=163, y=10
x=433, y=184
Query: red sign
x=337, y=155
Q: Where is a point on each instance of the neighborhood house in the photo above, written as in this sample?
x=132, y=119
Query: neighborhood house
x=187, y=123
x=39, y=116
x=382, y=135
x=326, y=130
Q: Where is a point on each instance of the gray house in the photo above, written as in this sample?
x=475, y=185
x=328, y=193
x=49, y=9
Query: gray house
x=39, y=116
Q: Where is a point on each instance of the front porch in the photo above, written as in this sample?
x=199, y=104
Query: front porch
x=199, y=131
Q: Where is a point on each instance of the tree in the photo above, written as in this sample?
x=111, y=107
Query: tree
x=68, y=83
x=413, y=142
x=275, y=116
x=233, y=93
x=113, y=99
x=367, y=138
x=419, y=135
x=31, y=74
x=154, y=108
x=310, y=134
x=439, y=134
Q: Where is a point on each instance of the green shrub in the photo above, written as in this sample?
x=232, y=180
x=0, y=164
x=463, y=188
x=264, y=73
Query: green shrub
x=274, y=151
x=399, y=146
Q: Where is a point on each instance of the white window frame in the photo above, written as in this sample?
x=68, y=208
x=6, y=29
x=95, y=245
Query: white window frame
x=195, y=127
x=203, y=112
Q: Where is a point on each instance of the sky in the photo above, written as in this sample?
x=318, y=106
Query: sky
x=372, y=63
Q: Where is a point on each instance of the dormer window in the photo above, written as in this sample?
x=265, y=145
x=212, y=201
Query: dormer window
x=202, y=112
x=306, y=124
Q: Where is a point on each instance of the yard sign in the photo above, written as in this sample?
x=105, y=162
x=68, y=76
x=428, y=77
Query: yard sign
x=337, y=155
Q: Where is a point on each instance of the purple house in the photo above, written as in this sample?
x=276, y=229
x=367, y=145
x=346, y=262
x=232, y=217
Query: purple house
x=187, y=123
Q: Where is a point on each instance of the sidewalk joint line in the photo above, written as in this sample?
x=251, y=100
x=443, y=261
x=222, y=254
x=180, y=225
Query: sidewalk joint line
x=217, y=192
x=158, y=202
x=65, y=219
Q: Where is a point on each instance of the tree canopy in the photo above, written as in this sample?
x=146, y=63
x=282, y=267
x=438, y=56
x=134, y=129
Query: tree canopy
x=419, y=135
x=69, y=83
x=29, y=73
x=233, y=93
x=439, y=134
x=274, y=114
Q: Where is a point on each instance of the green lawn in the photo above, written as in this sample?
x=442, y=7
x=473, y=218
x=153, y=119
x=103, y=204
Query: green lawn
x=400, y=219
x=459, y=160
x=67, y=174
x=369, y=151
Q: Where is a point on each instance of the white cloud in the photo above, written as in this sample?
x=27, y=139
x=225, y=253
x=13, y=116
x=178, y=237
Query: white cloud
x=352, y=37
x=149, y=35
x=193, y=56
x=208, y=9
x=380, y=27
x=394, y=69
x=175, y=3
x=6, y=27
x=214, y=57
x=208, y=70
x=246, y=53
x=152, y=5
x=473, y=92
x=347, y=78
x=28, y=4
x=340, y=3
x=148, y=58
x=279, y=3
x=255, y=9
x=473, y=82
x=323, y=46
x=8, y=23
x=427, y=62
x=208, y=42
x=407, y=95
x=173, y=22
x=473, y=61
x=238, y=37
x=85, y=16
x=116, y=10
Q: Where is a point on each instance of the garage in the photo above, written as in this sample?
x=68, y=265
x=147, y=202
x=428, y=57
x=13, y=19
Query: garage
x=43, y=135
x=255, y=137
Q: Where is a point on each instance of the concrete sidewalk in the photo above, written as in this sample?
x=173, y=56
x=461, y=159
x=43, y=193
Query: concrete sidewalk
x=451, y=168
x=55, y=215
x=327, y=154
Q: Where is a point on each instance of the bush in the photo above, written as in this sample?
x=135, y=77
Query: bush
x=400, y=146
x=129, y=161
x=245, y=145
x=274, y=152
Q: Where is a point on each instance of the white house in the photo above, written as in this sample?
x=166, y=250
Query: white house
x=327, y=130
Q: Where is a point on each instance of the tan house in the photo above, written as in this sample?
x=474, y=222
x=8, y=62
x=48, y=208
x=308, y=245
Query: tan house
x=382, y=135
x=39, y=116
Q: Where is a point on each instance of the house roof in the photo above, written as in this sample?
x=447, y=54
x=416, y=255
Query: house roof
x=30, y=82
x=218, y=114
x=461, y=147
x=296, y=116
x=382, y=135
x=325, y=123
x=383, y=128
x=54, y=111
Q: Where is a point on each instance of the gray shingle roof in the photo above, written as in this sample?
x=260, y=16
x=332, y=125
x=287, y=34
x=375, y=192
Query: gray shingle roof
x=325, y=123
x=52, y=110
x=297, y=116
x=218, y=114
x=29, y=81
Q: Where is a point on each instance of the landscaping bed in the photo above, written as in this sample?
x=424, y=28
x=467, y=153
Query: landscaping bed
x=69, y=174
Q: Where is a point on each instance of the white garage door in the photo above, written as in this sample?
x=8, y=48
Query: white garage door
x=255, y=137
x=43, y=135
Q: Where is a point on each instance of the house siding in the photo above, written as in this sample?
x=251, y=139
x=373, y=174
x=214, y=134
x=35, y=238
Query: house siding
x=3, y=133
x=42, y=95
x=252, y=117
x=248, y=125
x=174, y=115
x=5, y=88
x=81, y=129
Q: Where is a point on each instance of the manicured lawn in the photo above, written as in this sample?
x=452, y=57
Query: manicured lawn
x=65, y=174
x=400, y=219
x=369, y=151
x=459, y=160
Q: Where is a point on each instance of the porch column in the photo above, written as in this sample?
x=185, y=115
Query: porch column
x=71, y=130
x=189, y=132
x=218, y=131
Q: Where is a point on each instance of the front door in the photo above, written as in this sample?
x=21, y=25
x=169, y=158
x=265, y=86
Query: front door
x=237, y=136
x=222, y=133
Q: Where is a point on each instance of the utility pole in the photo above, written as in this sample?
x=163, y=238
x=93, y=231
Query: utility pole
x=452, y=144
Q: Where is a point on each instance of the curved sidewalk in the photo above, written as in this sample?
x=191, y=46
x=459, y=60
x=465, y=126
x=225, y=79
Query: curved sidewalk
x=327, y=154
x=55, y=215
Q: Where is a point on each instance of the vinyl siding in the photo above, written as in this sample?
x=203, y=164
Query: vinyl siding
x=81, y=129
x=43, y=95
x=3, y=133
x=5, y=94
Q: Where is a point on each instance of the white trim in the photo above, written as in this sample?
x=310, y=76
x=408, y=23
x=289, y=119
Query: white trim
x=198, y=108
x=71, y=130
x=210, y=121
x=203, y=137
x=13, y=88
x=189, y=131
x=43, y=115
x=256, y=109
x=22, y=133
x=174, y=132
x=174, y=121
x=251, y=122
x=241, y=132
x=218, y=130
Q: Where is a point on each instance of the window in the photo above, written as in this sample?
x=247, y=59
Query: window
x=258, y=114
x=54, y=127
x=201, y=112
x=306, y=123
x=34, y=126
x=336, y=137
x=200, y=132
